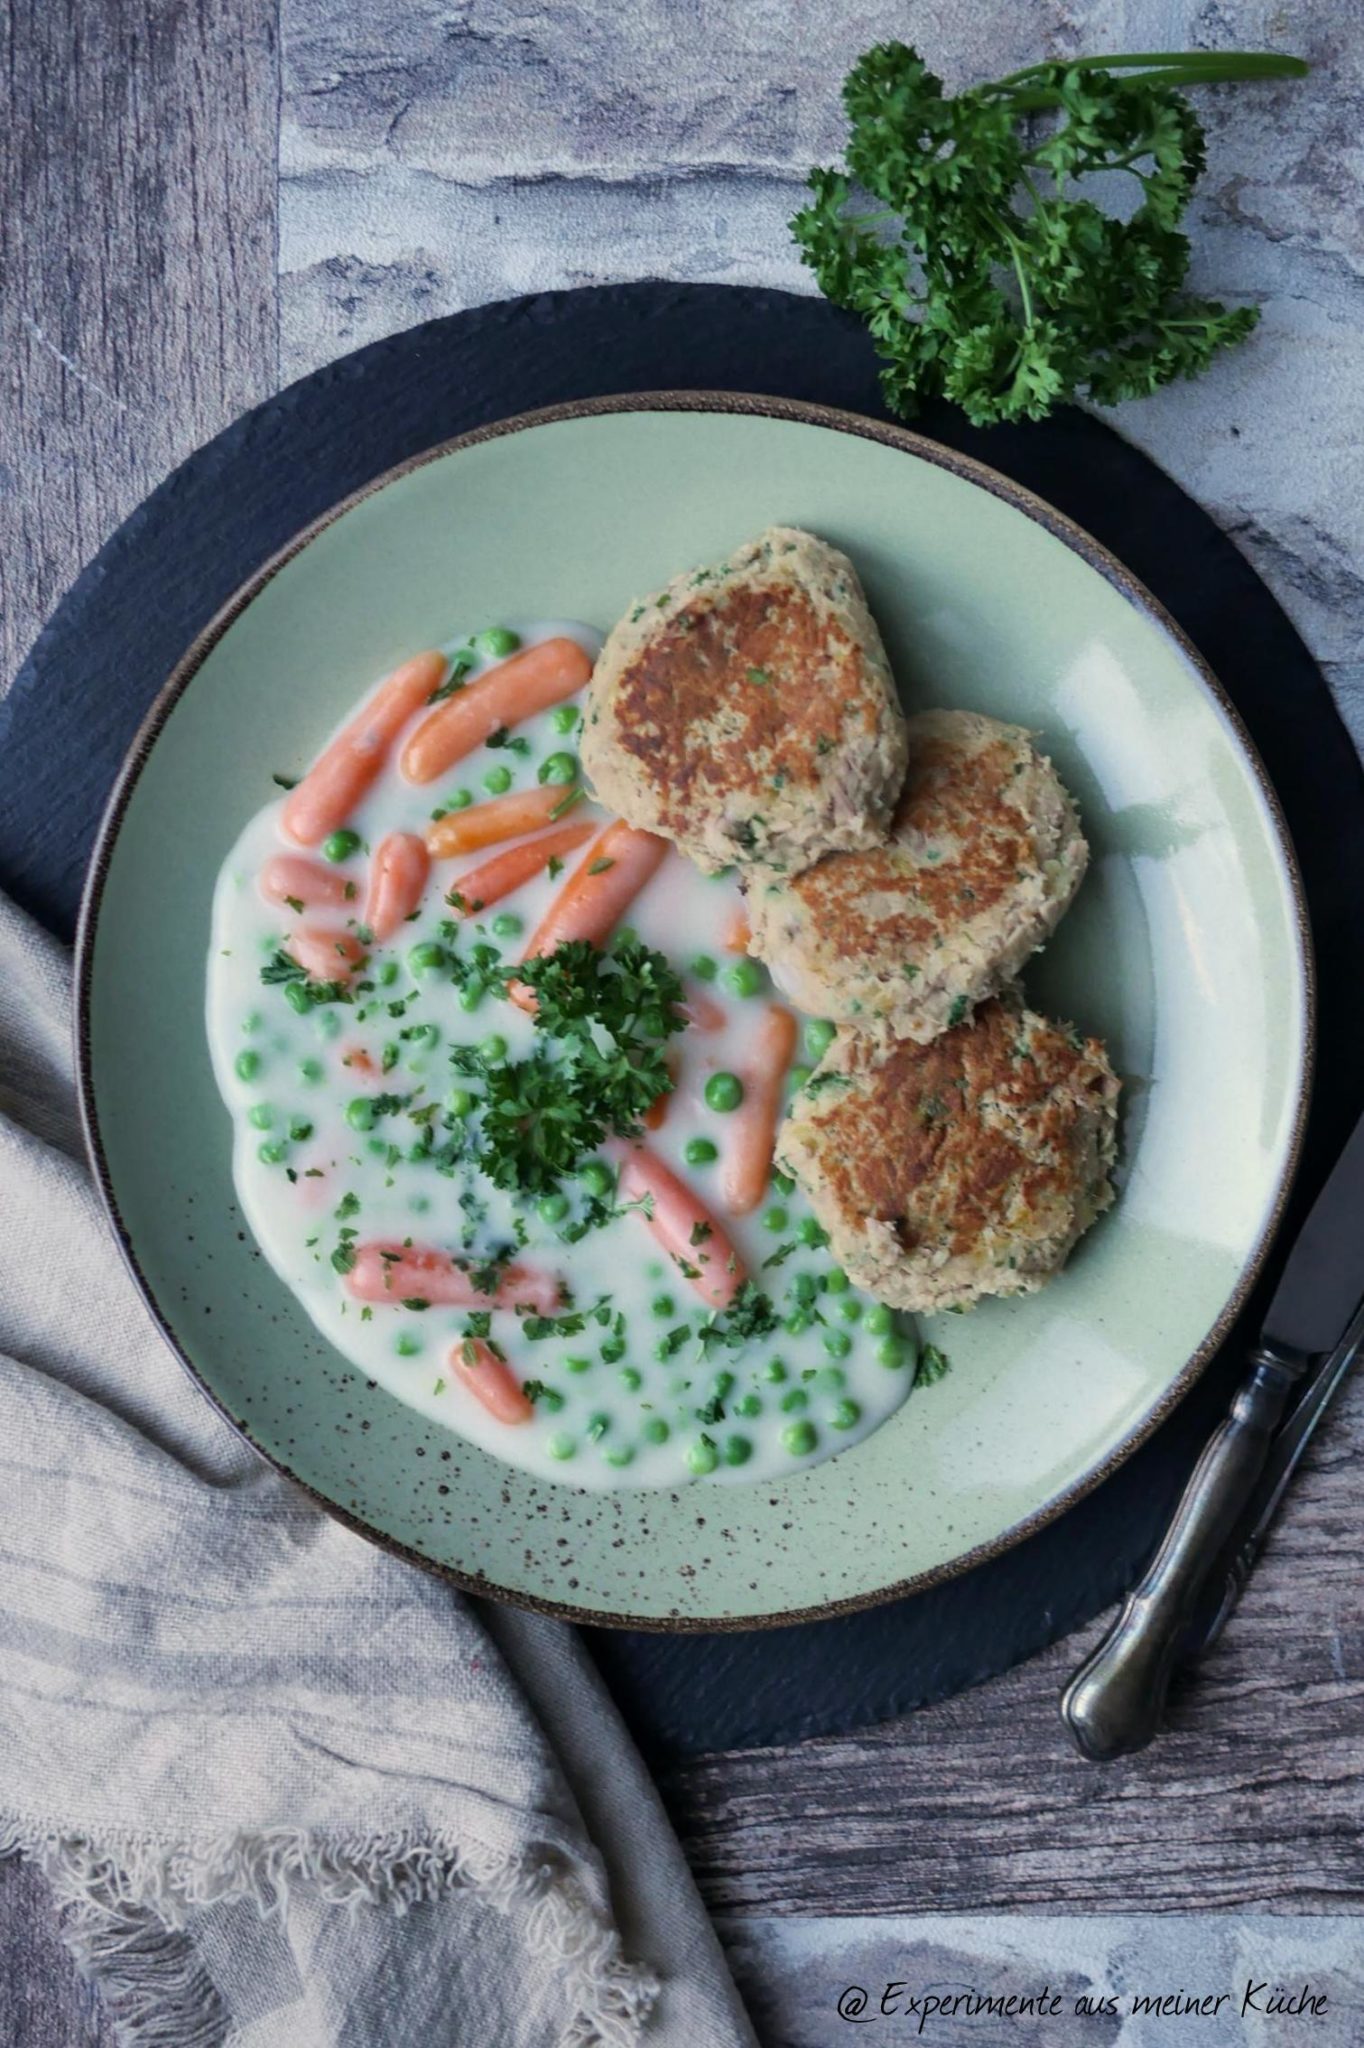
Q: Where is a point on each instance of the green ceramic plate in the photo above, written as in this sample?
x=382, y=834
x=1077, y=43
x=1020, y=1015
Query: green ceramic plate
x=1186, y=951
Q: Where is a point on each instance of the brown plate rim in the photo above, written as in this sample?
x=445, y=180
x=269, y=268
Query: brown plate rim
x=970, y=470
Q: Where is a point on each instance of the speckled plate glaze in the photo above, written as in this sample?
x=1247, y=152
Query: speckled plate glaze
x=1187, y=950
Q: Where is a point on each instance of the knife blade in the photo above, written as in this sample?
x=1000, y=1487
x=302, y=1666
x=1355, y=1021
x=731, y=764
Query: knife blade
x=1114, y=1702
x=1323, y=1282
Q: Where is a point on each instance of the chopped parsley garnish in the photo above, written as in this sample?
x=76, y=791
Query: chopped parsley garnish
x=932, y=1365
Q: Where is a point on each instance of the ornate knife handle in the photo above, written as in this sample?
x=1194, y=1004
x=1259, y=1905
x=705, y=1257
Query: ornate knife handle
x=1114, y=1702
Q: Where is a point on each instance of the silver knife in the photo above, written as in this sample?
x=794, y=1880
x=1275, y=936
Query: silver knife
x=1113, y=1704
x=1239, y=1558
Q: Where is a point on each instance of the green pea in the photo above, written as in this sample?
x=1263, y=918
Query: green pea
x=558, y=768
x=506, y=924
x=472, y=993
x=430, y=953
x=722, y=1386
x=699, y=1152
x=360, y=1113
x=704, y=968
x=564, y=717
x=247, y=1064
x=800, y=1319
x=560, y=1444
x=737, y=1450
x=597, y=1426
x=748, y=1405
x=745, y=977
x=297, y=997
x=845, y=1415
x=300, y=1130
x=494, y=1048
x=387, y=974
x=702, y=1456
x=340, y=845
x=407, y=1344
x=550, y=1399
x=252, y=1021
x=619, y=1454
x=577, y=1363
x=724, y=1092
x=836, y=1281
x=631, y=1380
x=774, y=1372
x=799, y=1438
x=495, y=643
x=850, y=1308
x=831, y=1378
x=805, y=1287
x=459, y=1102
x=597, y=1178
x=783, y=1182
x=310, y=1070
x=498, y=779
x=656, y=1430
x=891, y=1353
x=552, y=1208
x=819, y=1036
x=613, y=1348
x=663, y=1305
x=878, y=1320
x=794, y=1401
x=797, y=1076
x=837, y=1343
x=272, y=1152
x=811, y=1233
x=775, y=1218
x=260, y=1116
x=459, y=800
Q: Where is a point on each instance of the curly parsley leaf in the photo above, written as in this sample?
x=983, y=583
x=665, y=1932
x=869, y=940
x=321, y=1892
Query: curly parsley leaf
x=983, y=268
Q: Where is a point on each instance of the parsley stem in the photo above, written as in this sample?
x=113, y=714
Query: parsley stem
x=1204, y=67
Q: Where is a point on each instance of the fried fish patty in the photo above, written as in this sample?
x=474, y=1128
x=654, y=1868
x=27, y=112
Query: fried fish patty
x=984, y=855
x=961, y=1168
x=747, y=712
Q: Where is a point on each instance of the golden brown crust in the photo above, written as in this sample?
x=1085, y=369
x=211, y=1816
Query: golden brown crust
x=963, y=1167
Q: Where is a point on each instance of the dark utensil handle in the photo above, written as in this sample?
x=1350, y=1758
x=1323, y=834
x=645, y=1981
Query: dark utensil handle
x=1114, y=1702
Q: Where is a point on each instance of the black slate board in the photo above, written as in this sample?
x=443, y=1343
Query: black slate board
x=115, y=637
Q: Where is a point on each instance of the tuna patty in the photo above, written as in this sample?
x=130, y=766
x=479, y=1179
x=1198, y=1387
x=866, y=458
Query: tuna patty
x=984, y=855
x=748, y=713
x=966, y=1167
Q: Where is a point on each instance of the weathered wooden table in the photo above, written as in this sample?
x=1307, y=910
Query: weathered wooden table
x=200, y=200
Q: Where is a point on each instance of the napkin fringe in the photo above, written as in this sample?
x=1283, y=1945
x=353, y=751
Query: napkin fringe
x=124, y=1909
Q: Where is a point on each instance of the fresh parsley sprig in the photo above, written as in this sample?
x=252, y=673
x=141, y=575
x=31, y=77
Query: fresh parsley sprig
x=985, y=272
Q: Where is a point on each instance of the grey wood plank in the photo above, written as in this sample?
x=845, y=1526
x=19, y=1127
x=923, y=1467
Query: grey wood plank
x=43, y=2002
x=138, y=177
x=138, y=164
x=1252, y=1800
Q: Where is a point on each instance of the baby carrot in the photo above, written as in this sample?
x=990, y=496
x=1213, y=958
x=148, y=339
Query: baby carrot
x=337, y=780
x=493, y=879
x=737, y=933
x=490, y=1380
x=515, y=689
x=396, y=882
x=289, y=878
x=395, y=1273
x=691, y=1236
x=505, y=817
x=752, y=1129
x=702, y=1010
x=596, y=895
x=325, y=955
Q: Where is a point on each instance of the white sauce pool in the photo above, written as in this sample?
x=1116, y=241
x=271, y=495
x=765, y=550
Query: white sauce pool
x=635, y=1398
